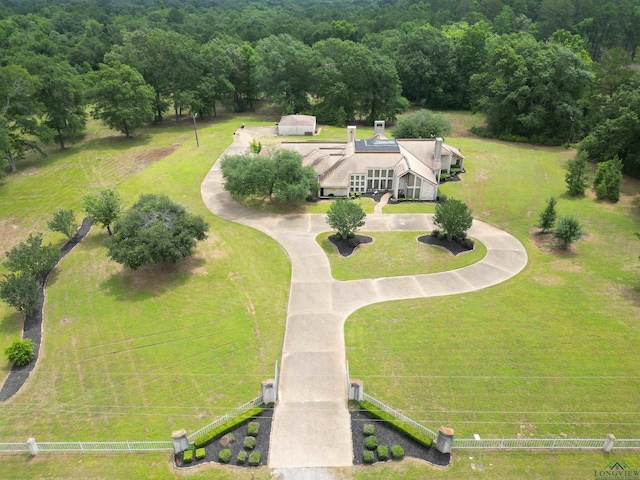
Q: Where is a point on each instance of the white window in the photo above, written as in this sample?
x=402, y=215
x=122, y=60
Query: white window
x=357, y=183
x=379, y=179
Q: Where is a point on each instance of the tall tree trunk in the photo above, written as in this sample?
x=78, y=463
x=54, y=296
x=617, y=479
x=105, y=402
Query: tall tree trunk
x=215, y=114
x=60, y=139
x=12, y=162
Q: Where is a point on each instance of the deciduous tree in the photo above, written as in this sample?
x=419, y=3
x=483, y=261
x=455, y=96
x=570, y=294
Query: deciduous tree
x=345, y=217
x=63, y=221
x=32, y=258
x=422, y=124
x=155, y=230
x=104, y=206
x=20, y=291
x=454, y=217
x=577, y=176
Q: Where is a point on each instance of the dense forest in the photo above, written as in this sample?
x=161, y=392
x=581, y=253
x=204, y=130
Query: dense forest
x=544, y=71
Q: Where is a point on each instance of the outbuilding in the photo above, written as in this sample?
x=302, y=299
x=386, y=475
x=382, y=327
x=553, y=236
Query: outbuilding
x=297, y=125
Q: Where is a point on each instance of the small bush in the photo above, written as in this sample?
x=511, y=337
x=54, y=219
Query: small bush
x=20, y=352
x=254, y=459
x=187, y=456
x=383, y=452
x=435, y=233
x=225, y=455
x=253, y=428
x=369, y=429
x=242, y=457
x=398, y=425
x=442, y=235
x=397, y=452
x=227, y=440
x=467, y=243
x=371, y=442
x=228, y=427
x=200, y=453
x=250, y=442
x=442, y=198
x=368, y=456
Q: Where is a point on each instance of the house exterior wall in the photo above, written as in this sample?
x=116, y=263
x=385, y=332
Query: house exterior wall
x=335, y=191
x=428, y=191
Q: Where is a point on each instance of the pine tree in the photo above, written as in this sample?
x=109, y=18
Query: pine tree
x=548, y=216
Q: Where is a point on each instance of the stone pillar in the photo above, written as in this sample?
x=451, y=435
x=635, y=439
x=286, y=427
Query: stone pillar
x=269, y=391
x=356, y=389
x=33, y=446
x=180, y=441
x=608, y=443
x=445, y=440
x=378, y=127
x=351, y=134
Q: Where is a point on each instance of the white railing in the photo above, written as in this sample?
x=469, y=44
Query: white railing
x=529, y=443
x=627, y=443
x=127, y=446
x=236, y=412
x=400, y=416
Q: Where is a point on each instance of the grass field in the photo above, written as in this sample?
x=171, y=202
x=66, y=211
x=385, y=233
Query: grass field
x=138, y=354
x=551, y=352
x=394, y=254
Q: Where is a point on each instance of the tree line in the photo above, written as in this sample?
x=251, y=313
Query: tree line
x=547, y=71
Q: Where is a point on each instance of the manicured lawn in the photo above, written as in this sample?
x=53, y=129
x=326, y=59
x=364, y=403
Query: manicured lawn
x=551, y=352
x=393, y=254
x=139, y=354
x=322, y=206
x=410, y=207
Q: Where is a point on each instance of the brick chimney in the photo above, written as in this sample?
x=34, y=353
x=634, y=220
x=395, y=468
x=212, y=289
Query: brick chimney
x=378, y=128
x=437, y=150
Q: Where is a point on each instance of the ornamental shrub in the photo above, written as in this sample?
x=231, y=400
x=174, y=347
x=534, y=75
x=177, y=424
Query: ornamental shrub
x=254, y=459
x=368, y=456
x=187, y=456
x=368, y=429
x=227, y=440
x=253, y=428
x=371, y=442
x=20, y=352
x=225, y=455
x=383, y=452
x=242, y=457
x=397, y=452
x=249, y=442
x=200, y=453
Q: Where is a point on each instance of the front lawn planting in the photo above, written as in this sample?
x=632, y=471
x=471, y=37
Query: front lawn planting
x=393, y=254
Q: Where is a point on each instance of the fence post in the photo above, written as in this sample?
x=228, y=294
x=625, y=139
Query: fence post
x=445, y=440
x=180, y=441
x=356, y=389
x=33, y=446
x=81, y=447
x=608, y=443
x=268, y=391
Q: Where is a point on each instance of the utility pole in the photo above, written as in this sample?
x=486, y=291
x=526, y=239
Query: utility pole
x=195, y=129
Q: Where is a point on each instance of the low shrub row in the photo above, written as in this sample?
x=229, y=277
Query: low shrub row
x=206, y=439
x=398, y=425
x=369, y=456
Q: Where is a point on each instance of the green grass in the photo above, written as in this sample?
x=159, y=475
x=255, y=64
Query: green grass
x=139, y=354
x=262, y=204
x=393, y=254
x=410, y=207
x=551, y=352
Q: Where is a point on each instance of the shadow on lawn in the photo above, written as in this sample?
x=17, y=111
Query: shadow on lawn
x=151, y=280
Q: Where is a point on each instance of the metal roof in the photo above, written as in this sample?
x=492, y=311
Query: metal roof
x=377, y=145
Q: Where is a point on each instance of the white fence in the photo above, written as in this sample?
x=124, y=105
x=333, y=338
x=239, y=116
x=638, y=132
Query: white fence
x=82, y=447
x=531, y=443
x=236, y=412
x=400, y=416
x=127, y=446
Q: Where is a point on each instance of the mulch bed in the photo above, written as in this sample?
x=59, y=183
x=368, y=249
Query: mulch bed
x=386, y=435
x=451, y=245
x=347, y=247
x=32, y=327
x=262, y=444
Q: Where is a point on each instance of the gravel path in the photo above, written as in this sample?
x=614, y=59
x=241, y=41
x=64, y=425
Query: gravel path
x=32, y=327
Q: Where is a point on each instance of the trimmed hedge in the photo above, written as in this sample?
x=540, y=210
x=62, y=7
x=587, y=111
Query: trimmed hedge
x=398, y=425
x=368, y=429
x=383, y=452
x=187, y=456
x=253, y=428
x=249, y=442
x=200, y=453
x=225, y=455
x=242, y=457
x=206, y=439
x=397, y=452
x=368, y=456
x=371, y=442
x=254, y=459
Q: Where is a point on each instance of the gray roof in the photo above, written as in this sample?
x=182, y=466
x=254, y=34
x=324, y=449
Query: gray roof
x=377, y=145
x=297, y=120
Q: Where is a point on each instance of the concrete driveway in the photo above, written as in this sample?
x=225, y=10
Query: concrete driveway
x=311, y=425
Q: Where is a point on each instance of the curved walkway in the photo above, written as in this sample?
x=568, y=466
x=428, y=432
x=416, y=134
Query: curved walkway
x=311, y=426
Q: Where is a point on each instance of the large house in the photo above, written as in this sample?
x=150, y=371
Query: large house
x=409, y=168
